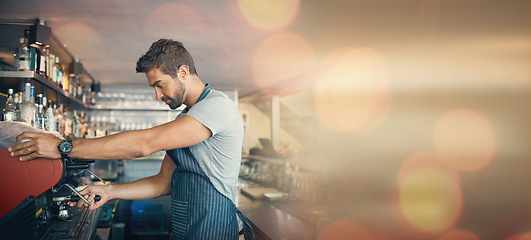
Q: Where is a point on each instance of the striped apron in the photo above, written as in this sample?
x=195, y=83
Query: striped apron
x=199, y=211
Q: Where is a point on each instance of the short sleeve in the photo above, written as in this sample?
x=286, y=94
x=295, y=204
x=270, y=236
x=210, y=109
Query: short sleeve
x=215, y=112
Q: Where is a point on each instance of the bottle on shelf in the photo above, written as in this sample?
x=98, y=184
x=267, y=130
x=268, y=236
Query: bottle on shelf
x=9, y=113
x=27, y=108
x=90, y=97
x=57, y=72
x=17, y=98
x=60, y=74
x=33, y=64
x=68, y=124
x=50, y=68
x=66, y=83
x=22, y=57
x=83, y=125
x=76, y=126
x=71, y=84
x=60, y=119
x=40, y=116
x=51, y=121
x=41, y=67
x=79, y=89
x=46, y=53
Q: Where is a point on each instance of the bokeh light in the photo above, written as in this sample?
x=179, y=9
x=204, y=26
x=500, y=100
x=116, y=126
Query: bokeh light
x=282, y=63
x=430, y=199
x=459, y=234
x=352, y=91
x=523, y=236
x=424, y=159
x=269, y=15
x=344, y=229
x=526, y=236
x=465, y=140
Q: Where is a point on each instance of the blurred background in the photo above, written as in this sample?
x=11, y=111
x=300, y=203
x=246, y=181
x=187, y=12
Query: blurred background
x=398, y=119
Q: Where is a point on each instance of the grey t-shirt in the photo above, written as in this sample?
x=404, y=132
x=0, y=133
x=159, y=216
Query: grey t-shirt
x=220, y=155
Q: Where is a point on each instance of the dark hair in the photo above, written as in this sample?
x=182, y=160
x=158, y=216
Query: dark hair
x=167, y=55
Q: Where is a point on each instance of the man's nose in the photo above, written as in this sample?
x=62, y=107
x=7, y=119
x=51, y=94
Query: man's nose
x=158, y=94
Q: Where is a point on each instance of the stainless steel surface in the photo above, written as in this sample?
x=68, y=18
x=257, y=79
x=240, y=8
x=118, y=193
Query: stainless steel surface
x=271, y=222
x=103, y=233
x=78, y=194
x=81, y=226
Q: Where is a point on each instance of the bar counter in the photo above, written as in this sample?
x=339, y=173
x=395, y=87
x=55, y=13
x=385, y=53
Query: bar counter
x=276, y=219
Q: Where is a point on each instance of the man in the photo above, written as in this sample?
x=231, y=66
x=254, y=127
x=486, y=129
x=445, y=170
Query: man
x=203, y=149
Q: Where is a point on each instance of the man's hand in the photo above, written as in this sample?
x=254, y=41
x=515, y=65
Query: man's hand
x=40, y=145
x=90, y=192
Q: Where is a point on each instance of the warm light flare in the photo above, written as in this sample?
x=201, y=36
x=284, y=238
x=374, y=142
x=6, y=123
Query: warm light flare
x=465, y=140
x=430, y=199
x=523, y=236
x=424, y=159
x=526, y=236
x=269, y=15
x=459, y=234
x=352, y=92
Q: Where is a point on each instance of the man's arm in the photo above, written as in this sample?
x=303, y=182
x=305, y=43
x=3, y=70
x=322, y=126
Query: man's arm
x=149, y=187
x=182, y=132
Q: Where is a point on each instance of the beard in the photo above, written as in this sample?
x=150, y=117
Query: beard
x=176, y=100
x=174, y=103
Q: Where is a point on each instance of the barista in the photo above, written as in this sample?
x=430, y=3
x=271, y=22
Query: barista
x=203, y=149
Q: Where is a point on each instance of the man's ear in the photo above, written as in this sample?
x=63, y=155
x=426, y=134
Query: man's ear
x=183, y=72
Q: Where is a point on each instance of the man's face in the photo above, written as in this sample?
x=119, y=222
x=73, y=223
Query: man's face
x=169, y=90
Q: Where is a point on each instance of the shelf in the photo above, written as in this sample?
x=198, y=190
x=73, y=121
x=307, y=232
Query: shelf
x=40, y=79
x=266, y=159
x=131, y=108
x=12, y=30
x=306, y=166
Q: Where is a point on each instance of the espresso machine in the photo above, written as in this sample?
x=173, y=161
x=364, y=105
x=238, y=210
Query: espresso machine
x=35, y=195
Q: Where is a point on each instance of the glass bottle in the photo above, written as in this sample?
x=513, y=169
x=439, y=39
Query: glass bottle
x=17, y=98
x=67, y=116
x=9, y=113
x=40, y=117
x=34, y=60
x=51, y=121
x=83, y=125
x=59, y=119
x=57, y=72
x=60, y=74
x=75, y=124
x=28, y=108
x=47, y=64
x=22, y=58
x=51, y=68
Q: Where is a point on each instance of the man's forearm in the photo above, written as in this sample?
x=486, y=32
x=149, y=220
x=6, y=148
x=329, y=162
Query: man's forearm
x=179, y=133
x=149, y=187
x=131, y=144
